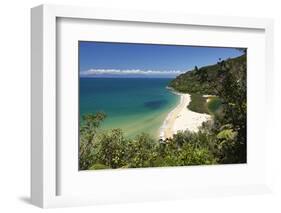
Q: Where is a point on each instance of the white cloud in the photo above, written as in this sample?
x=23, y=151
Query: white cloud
x=129, y=72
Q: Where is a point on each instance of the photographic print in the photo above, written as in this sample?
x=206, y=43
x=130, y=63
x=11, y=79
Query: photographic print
x=155, y=105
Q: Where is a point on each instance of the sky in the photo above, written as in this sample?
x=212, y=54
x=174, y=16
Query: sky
x=109, y=59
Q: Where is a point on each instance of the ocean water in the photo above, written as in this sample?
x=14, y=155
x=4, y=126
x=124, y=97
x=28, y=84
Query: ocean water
x=133, y=104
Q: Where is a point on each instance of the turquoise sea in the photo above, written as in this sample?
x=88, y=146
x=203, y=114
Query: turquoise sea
x=133, y=104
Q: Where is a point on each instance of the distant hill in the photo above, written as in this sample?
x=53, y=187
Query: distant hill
x=205, y=80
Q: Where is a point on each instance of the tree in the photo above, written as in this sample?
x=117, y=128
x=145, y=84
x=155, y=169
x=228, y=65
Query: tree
x=232, y=92
x=192, y=155
x=111, y=149
x=88, y=132
x=203, y=75
x=142, y=151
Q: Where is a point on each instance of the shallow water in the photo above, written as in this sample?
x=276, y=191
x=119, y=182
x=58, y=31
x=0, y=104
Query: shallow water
x=133, y=104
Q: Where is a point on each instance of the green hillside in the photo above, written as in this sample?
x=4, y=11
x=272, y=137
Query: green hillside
x=226, y=82
x=206, y=80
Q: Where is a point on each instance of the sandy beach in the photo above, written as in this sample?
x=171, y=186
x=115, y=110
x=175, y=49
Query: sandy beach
x=181, y=118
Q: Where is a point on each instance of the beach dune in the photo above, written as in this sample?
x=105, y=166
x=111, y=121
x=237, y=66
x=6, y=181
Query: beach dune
x=181, y=119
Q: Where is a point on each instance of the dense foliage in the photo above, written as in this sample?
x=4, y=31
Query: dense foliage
x=205, y=80
x=222, y=140
x=110, y=149
x=227, y=81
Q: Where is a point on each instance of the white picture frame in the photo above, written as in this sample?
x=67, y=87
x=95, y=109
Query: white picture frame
x=45, y=168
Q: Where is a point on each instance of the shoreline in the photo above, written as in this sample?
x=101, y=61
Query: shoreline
x=181, y=118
